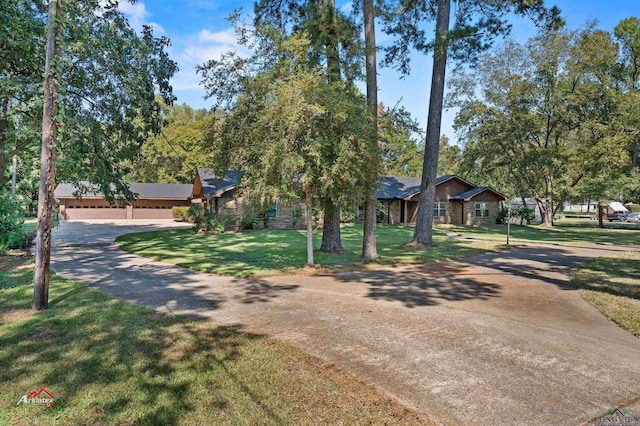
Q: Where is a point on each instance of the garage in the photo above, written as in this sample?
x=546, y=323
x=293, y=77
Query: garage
x=154, y=201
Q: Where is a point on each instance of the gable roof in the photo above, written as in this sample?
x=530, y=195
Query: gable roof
x=617, y=206
x=390, y=187
x=158, y=191
x=469, y=194
x=213, y=185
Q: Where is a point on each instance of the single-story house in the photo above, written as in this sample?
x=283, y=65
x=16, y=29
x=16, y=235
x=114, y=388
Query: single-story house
x=154, y=201
x=458, y=201
x=221, y=196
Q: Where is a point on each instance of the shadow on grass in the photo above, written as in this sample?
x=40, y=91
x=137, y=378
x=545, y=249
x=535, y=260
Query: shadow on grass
x=557, y=234
x=616, y=276
x=113, y=361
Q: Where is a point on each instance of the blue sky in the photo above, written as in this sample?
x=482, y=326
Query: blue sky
x=199, y=31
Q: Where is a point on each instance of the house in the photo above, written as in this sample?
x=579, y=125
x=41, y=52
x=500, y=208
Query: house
x=457, y=201
x=222, y=196
x=154, y=201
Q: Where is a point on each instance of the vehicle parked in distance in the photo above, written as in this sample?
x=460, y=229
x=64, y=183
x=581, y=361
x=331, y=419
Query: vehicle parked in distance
x=633, y=217
x=617, y=215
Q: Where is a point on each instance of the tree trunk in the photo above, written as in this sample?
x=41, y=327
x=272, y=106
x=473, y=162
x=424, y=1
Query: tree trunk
x=4, y=154
x=329, y=30
x=309, y=217
x=331, y=241
x=46, y=204
x=369, y=251
x=547, y=217
x=424, y=221
x=600, y=222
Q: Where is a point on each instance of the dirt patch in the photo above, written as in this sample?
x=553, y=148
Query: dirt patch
x=416, y=246
x=12, y=315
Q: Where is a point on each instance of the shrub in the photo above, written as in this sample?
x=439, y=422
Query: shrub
x=248, y=220
x=502, y=216
x=296, y=217
x=229, y=221
x=12, y=235
x=196, y=216
x=524, y=214
x=181, y=213
x=213, y=224
x=347, y=215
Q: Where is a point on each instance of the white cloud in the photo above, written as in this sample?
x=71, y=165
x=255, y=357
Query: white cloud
x=137, y=15
x=347, y=8
x=196, y=49
x=227, y=37
x=136, y=11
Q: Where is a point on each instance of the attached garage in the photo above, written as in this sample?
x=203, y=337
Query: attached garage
x=154, y=201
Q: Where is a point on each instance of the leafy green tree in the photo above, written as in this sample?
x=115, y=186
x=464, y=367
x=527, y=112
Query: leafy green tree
x=477, y=24
x=449, y=158
x=627, y=32
x=334, y=42
x=284, y=123
x=22, y=31
x=401, y=151
x=542, y=120
x=174, y=154
x=99, y=105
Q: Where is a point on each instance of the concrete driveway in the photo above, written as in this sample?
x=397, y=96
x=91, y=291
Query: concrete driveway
x=500, y=338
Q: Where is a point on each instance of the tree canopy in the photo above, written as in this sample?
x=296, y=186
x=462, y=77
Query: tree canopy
x=540, y=119
x=287, y=122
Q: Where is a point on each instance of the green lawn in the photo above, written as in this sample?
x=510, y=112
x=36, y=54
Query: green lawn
x=612, y=284
x=572, y=234
x=110, y=362
x=262, y=253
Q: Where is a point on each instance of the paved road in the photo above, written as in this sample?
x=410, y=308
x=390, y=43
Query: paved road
x=500, y=338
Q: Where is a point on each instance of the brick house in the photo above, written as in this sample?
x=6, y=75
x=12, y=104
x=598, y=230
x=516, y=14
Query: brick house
x=458, y=201
x=154, y=201
x=221, y=196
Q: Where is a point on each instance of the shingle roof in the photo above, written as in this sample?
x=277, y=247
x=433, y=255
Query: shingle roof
x=391, y=188
x=213, y=185
x=164, y=191
x=469, y=194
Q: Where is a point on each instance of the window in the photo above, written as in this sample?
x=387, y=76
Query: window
x=482, y=209
x=272, y=211
x=440, y=209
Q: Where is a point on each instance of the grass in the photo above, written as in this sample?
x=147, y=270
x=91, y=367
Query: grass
x=560, y=234
x=263, y=253
x=110, y=362
x=612, y=284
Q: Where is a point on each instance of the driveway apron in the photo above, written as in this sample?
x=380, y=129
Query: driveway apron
x=499, y=338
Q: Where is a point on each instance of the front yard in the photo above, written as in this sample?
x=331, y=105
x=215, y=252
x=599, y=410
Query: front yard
x=111, y=362
x=263, y=253
x=612, y=284
x=569, y=233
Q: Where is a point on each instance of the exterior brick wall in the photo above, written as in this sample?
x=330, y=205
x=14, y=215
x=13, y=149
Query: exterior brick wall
x=471, y=219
